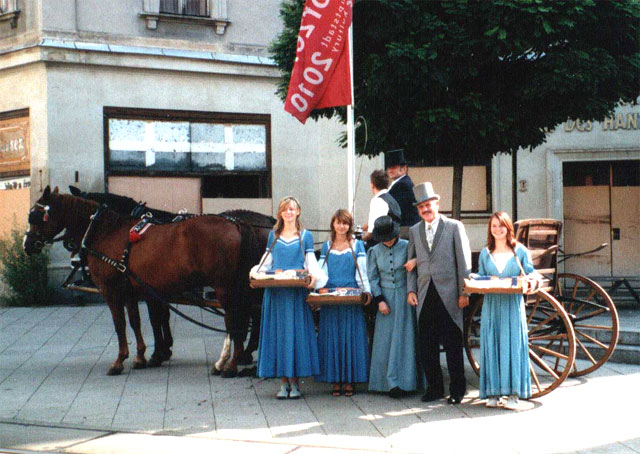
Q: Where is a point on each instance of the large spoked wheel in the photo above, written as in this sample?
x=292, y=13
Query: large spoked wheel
x=552, y=344
x=594, y=318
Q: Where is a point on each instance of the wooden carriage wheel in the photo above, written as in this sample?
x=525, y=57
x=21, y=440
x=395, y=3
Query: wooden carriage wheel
x=552, y=344
x=594, y=318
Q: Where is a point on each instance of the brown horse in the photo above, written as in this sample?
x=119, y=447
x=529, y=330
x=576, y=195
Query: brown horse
x=172, y=258
x=261, y=224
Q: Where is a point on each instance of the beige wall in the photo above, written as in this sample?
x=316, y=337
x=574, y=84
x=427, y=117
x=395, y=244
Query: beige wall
x=14, y=209
x=167, y=194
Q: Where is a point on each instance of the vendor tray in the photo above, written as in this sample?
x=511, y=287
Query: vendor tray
x=495, y=285
x=337, y=298
x=302, y=279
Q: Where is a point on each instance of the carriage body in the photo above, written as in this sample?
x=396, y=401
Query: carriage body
x=572, y=322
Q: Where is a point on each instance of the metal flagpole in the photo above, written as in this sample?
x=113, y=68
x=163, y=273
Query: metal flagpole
x=351, y=146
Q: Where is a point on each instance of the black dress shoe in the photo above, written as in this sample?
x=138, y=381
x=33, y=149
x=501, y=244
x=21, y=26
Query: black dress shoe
x=430, y=396
x=396, y=393
x=454, y=399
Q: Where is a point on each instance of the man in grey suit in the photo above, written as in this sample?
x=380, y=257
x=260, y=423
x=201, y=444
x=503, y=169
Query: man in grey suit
x=443, y=255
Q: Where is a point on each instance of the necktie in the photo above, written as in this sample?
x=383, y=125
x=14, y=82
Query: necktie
x=430, y=236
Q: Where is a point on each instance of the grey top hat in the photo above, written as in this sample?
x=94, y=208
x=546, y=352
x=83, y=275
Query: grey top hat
x=423, y=192
x=385, y=229
x=394, y=158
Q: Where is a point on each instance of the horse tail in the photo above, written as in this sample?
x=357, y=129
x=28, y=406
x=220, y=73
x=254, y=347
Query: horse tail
x=241, y=294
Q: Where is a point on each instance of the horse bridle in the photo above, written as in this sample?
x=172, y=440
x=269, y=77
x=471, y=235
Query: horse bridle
x=38, y=216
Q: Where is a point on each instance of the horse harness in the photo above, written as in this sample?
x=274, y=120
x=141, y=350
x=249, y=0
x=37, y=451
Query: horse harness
x=122, y=265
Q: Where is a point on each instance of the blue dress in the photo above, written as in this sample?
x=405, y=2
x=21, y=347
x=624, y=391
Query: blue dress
x=504, y=346
x=288, y=345
x=393, y=356
x=342, y=334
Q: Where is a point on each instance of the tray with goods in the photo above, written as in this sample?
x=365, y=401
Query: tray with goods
x=279, y=278
x=337, y=296
x=491, y=284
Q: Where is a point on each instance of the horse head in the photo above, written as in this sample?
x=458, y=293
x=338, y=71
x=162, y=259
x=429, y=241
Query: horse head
x=42, y=226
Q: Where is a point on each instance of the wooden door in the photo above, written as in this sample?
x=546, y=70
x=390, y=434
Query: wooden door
x=625, y=218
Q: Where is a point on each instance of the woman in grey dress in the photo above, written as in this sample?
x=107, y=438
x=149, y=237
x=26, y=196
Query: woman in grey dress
x=393, y=357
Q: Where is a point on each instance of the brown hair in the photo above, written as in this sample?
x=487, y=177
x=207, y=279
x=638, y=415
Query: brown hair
x=345, y=217
x=504, y=219
x=282, y=205
x=379, y=179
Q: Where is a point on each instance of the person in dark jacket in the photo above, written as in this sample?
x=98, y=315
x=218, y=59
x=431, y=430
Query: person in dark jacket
x=401, y=189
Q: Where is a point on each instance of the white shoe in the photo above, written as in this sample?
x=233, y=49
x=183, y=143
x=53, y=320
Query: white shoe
x=492, y=402
x=512, y=403
x=295, y=391
x=284, y=391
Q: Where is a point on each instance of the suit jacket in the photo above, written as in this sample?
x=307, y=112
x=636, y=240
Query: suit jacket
x=447, y=264
x=402, y=191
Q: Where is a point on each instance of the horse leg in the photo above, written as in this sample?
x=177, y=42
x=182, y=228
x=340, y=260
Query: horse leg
x=225, y=353
x=117, y=314
x=155, y=317
x=166, y=332
x=134, y=321
x=246, y=357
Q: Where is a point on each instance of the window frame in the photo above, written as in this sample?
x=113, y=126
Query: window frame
x=126, y=113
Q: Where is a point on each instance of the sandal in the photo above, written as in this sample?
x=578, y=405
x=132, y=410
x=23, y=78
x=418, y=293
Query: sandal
x=336, y=392
x=348, y=390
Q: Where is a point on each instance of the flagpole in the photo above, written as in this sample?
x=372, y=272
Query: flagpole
x=351, y=148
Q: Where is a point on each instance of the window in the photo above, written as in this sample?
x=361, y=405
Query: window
x=230, y=153
x=9, y=12
x=193, y=12
x=184, y=7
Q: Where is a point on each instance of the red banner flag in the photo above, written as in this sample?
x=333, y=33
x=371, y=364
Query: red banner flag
x=321, y=75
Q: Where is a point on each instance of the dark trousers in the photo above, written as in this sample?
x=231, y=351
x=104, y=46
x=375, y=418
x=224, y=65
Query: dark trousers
x=436, y=327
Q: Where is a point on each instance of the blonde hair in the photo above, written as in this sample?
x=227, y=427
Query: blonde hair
x=282, y=205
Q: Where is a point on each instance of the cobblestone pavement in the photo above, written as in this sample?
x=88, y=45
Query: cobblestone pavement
x=55, y=396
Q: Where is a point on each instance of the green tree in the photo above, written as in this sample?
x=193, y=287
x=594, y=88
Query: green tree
x=455, y=82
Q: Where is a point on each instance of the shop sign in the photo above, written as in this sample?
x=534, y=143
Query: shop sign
x=14, y=147
x=625, y=121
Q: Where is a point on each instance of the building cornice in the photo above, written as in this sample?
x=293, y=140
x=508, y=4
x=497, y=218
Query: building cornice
x=141, y=57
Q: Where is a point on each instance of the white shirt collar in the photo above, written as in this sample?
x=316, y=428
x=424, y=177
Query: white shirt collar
x=380, y=192
x=396, y=180
x=434, y=224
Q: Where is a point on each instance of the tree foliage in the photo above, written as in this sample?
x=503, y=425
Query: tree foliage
x=455, y=82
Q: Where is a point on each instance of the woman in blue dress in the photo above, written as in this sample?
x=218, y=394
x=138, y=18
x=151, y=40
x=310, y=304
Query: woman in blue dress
x=342, y=335
x=393, y=356
x=288, y=345
x=504, y=347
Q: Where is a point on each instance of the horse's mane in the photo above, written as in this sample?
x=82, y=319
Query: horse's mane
x=126, y=205
x=251, y=217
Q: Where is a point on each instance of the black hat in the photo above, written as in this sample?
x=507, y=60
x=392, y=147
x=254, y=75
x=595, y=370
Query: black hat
x=394, y=158
x=385, y=229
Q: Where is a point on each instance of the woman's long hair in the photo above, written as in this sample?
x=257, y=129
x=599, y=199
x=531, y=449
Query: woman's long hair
x=345, y=217
x=504, y=219
x=284, y=203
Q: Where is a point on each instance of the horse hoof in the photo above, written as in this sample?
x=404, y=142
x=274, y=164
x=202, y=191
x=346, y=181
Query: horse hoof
x=139, y=365
x=245, y=360
x=229, y=373
x=248, y=372
x=113, y=370
x=166, y=356
x=155, y=361
x=215, y=371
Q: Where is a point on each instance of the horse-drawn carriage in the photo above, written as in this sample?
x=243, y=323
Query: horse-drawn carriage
x=572, y=322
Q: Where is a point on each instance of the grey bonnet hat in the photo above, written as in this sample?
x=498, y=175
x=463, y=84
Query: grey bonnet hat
x=423, y=192
x=385, y=229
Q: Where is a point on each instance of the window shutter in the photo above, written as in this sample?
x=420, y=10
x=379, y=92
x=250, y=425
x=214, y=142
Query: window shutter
x=170, y=6
x=195, y=7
